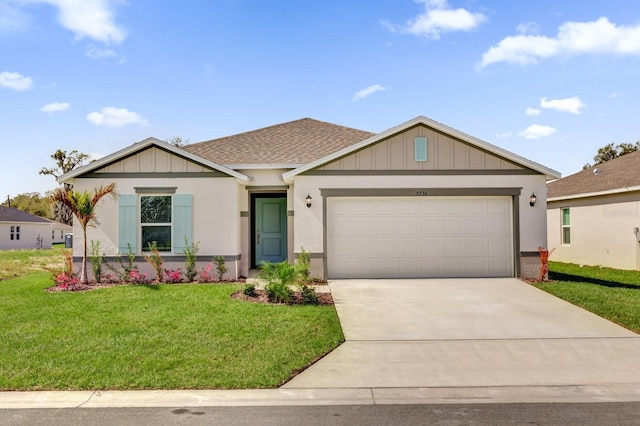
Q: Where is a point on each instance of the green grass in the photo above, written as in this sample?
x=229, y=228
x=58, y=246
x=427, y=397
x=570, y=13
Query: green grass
x=188, y=336
x=610, y=293
x=16, y=263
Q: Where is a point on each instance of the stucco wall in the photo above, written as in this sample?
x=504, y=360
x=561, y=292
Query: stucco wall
x=602, y=231
x=216, y=220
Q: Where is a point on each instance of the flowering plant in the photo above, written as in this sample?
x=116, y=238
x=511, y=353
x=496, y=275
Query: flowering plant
x=135, y=277
x=172, y=276
x=65, y=281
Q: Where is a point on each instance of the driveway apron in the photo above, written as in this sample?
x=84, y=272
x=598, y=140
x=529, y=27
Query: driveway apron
x=427, y=333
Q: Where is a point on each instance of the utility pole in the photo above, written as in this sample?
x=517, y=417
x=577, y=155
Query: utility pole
x=8, y=201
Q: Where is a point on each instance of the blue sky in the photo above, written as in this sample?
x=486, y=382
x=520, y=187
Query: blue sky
x=549, y=80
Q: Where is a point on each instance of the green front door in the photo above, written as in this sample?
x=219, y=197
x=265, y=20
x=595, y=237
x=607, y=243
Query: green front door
x=270, y=230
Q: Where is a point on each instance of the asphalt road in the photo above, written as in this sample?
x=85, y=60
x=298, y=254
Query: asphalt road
x=586, y=414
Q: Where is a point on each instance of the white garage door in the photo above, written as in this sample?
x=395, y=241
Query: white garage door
x=415, y=237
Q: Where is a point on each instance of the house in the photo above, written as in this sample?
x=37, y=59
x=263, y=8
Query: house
x=21, y=230
x=593, y=216
x=418, y=200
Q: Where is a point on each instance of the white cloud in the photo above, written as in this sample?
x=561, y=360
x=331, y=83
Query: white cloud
x=368, y=91
x=94, y=52
x=438, y=18
x=572, y=105
x=537, y=131
x=116, y=117
x=93, y=19
x=55, y=107
x=615, y=95
x=15, y=81
x=573, y=38
x=533, y=112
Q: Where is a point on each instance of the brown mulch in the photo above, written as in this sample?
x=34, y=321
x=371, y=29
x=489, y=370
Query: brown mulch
x=261, y=297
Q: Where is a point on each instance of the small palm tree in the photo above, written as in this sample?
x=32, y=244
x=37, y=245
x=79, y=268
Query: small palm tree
x=83, y=206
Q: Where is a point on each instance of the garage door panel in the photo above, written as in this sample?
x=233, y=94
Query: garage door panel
x=419, y=237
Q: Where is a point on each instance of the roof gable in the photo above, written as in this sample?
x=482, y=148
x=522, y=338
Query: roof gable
x=10, y=214
x=453, y=134
x=286, y=145
x=149, y=155
x=617, y=175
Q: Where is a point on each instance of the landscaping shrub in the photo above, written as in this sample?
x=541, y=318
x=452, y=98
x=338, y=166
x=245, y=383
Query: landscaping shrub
x=190, y=253
x=249, y=289
x=278, y=292
x=172, y=276
x=303, y=264
x=155, y=260
x=97, y=259
x=221, y=267
x=206, y=274
x=309, y=296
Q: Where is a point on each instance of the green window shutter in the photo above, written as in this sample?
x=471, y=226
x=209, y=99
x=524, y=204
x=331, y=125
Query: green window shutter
x=182, y=221
x=420, y=149
x=128, y=222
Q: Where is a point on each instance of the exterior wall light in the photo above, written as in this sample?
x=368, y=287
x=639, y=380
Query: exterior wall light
x=533, y=199
x=308, y=199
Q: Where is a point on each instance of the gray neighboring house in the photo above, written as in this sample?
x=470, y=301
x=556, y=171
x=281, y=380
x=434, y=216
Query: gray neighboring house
x=593, y=216
x=21, y=230
x=420, y=199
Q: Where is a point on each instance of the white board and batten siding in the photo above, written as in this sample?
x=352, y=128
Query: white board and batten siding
x=418, y=237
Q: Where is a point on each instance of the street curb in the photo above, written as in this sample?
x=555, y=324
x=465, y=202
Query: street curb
x=308, y=397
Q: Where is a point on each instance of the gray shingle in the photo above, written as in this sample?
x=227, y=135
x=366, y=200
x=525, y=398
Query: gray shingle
x=621, y=172
x=295, y=142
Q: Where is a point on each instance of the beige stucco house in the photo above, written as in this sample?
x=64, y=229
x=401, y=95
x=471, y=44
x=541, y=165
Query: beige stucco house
x=22, y=230
x=593, y=216
x=418, y=200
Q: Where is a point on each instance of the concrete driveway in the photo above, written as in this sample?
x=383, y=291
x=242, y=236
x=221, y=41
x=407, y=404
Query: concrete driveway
x=453, y=333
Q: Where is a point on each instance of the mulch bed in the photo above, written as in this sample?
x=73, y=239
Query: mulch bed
x=261, y=297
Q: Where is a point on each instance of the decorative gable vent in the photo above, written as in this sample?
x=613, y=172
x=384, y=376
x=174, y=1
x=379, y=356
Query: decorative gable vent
x=420, y=149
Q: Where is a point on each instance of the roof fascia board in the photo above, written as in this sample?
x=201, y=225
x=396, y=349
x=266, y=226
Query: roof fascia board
x=595, y=194
x=262, y=166
x=550, y=173
x=139, y=146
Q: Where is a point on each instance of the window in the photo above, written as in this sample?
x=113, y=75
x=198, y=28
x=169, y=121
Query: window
x=53, y=234
x=62, y=234
x=155, y=220
x=566, y=225
x=154, y=214
x=14, y=233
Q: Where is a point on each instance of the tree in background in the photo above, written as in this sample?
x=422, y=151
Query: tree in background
x=178, y=141
x=32, y=202
x=83, y=206
x=609, y=152
x=65, y=162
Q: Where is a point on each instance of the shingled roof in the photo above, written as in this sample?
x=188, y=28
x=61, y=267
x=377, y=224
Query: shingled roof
x=292, y=143
x=617, y=174
x=9, y=214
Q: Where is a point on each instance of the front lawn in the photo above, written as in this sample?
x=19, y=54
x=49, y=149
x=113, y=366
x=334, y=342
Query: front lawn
x=610, y=293
x=184, y=336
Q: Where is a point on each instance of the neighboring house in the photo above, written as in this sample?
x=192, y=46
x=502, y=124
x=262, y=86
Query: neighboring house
x=21, y=230
x=593, y=216
x=418, y=200
x=58, y=232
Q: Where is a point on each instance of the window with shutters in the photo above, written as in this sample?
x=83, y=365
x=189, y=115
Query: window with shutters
x=156, y=221
x=159, y=216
